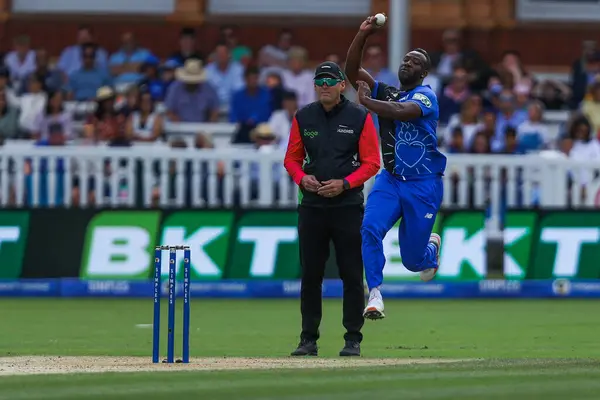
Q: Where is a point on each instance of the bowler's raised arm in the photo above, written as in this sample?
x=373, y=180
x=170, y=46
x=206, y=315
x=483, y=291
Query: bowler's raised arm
x=353, y=70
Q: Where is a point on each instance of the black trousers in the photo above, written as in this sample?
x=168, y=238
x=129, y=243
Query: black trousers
x=316, y=228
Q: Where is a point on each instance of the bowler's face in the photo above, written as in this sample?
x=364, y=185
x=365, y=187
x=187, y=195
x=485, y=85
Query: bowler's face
x=412, y=67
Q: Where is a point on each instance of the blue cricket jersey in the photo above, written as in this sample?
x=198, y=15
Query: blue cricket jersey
x=410, y=148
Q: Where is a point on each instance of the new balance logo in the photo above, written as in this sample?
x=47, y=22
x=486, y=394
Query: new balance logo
x=428, y=215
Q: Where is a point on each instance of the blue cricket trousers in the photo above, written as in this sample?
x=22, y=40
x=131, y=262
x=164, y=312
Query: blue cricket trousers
x=417, y=203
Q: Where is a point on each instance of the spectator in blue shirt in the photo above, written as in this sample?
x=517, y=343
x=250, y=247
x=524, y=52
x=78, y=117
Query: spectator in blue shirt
x=125, y=64
x=507, y=117
x=250, y=106
x=225, y=75
x=532, y=135
x=85, y=82
x=151, y=81
x=71, y=58
x=167, y=73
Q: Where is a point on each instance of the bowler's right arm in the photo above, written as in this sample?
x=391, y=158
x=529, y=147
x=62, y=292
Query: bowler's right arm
x=353, y=70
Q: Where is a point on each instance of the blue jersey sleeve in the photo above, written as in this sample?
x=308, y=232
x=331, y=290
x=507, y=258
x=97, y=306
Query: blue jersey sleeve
x=427, y=101
x=378, y=92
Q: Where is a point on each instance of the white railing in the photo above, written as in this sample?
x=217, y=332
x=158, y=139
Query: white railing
x=157, y=175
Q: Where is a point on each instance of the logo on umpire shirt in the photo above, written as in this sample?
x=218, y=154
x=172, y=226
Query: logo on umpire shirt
x=310, y=134
x=423, y=99
x=344, y=129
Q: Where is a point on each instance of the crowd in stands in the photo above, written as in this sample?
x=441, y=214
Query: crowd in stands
x=485, y=107
x=501, y=108
x=236, y=84
x=134, y=93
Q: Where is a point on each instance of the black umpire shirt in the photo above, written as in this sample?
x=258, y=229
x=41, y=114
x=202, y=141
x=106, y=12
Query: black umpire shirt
x=337, y=144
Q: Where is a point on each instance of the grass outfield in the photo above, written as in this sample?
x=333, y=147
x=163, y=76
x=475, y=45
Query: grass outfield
x=494, y=350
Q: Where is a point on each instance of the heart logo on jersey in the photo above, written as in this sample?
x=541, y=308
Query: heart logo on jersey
x=408, y=149
x=410, y=153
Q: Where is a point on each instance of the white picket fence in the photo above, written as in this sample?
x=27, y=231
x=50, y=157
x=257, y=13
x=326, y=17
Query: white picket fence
x=157, y=175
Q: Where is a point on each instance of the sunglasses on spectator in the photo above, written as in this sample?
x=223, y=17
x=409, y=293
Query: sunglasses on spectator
x=327, y=81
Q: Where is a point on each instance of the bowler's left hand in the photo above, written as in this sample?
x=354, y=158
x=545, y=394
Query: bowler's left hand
x=331, y=188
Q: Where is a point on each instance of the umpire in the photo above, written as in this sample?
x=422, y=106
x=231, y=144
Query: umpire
x=333, y=149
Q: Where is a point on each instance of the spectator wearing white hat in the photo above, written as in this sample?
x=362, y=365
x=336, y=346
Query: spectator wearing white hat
x=106, y=124
x=264, y=140
x=190, y=98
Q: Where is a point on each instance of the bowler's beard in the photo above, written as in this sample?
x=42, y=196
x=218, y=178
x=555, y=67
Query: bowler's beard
x=407, y=79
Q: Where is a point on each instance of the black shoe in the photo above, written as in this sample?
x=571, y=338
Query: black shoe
x=351, y=349
x=306, y=348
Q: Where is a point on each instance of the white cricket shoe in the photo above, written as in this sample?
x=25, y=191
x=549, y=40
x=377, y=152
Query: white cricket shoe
x=374, y=309
x=429, y=274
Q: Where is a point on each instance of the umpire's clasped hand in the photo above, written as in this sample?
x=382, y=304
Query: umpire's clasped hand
x=310, y=183
x=331, y=188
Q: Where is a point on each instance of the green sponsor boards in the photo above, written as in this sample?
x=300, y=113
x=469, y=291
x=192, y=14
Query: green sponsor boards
x=463, y=245
x=120, y=244
x=14, y=226
x=266, y=246
x=568, y=246
x=257, y=244
x=207, y=234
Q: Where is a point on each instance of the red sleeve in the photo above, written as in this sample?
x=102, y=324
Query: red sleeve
x=294, y=156
x=368, y=155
